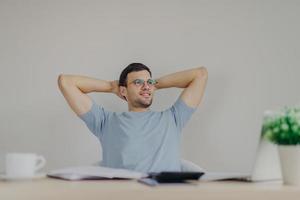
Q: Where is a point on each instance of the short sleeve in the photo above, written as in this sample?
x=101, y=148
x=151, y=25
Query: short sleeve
x=95, y=119
x=181, y=113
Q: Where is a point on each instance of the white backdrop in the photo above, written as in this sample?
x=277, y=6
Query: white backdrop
x=250, y=48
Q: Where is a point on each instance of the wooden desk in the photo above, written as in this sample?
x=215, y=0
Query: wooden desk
x=47, y=188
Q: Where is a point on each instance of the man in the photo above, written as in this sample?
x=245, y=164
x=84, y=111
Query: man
x=140, y=139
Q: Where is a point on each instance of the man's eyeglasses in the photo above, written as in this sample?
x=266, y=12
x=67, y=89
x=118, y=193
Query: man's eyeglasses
x=141, y=82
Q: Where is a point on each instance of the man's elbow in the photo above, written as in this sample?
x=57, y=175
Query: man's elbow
x=202, y=72
x=63, y=80
x=60, y=79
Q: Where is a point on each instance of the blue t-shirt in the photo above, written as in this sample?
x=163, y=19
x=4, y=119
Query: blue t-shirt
x=142, y=141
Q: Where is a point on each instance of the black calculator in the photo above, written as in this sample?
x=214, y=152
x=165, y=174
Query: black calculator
x=170, y=177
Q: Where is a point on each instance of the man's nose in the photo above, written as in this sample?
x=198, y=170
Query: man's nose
x=145, y=85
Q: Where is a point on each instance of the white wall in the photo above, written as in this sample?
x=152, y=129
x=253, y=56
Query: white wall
x=250, y=48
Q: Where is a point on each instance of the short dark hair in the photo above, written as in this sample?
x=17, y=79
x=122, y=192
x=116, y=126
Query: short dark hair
x=133, y=67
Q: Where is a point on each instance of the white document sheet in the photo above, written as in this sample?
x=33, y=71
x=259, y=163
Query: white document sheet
x=94, y=173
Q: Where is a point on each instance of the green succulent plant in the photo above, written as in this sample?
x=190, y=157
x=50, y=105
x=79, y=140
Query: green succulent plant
x=282, y=127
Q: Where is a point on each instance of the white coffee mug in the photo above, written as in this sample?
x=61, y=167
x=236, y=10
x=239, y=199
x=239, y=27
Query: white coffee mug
x=22, y=165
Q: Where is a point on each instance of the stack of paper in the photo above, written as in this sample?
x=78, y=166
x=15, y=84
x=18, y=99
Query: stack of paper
x=94, y=172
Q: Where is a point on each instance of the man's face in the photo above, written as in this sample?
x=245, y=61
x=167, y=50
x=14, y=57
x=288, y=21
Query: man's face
x=139, y=93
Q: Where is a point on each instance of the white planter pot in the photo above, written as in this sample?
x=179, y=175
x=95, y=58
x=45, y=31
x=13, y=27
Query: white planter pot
x=290, y=164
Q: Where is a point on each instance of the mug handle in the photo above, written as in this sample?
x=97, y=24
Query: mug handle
x=40, y=162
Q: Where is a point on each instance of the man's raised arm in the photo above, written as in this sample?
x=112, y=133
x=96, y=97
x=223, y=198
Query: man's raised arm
x=75, y=89
x=193, y=80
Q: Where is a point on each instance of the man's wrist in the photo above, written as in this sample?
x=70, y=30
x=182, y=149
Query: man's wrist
x=158, y=84
x=114, y=86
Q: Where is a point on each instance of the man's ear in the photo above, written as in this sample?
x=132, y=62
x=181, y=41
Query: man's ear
x=123, y=92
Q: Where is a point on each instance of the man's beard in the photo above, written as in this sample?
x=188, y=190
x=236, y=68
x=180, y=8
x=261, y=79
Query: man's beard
x=142, y=104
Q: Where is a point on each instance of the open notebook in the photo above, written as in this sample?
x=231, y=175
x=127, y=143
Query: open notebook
x=94, y=173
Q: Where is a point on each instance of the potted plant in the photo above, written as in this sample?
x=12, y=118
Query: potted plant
x=283, y=128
